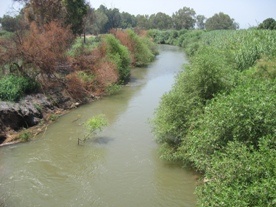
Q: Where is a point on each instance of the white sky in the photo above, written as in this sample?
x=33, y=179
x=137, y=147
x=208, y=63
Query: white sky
x=245, y=12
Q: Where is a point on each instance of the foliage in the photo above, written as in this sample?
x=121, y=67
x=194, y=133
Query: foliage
x=119, y=54
x=194, y=87
x=9, y=23
x=43, y=12
x=142, y=50
x=241, y=176
x=25, y=136
x=75, y=13
x=268, y=23
x=94, y=125
x=12, y=87
x=264, y=69
x=219, y=116
x=245, y=115
x=76, y=86
x=36, y=52
x=220, y=21
x=160, y=21
x=184, y=18
x=200, y=21
x=128, y=20
x=113, y=89
x=79, y=47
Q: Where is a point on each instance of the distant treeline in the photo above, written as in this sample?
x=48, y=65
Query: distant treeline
x=82, y=16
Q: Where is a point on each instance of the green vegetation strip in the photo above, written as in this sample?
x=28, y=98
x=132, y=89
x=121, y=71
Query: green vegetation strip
x=220, y=115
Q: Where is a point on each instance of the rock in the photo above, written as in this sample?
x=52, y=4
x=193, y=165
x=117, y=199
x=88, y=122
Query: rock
x=2, y=138
x=16, y=116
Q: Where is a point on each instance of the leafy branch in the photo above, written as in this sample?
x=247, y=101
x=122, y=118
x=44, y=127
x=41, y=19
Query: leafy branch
x=94, y=125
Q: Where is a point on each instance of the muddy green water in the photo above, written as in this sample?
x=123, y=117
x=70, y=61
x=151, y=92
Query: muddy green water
x=120, y=167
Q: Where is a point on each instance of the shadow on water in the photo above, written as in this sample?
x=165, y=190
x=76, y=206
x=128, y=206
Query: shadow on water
x=103, y=140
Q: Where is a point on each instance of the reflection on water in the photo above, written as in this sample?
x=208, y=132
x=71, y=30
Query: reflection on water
x=118, y=167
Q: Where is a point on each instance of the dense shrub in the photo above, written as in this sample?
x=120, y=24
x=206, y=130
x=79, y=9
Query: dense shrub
x=45, y=50
x=245, y=115
x=241, y=176
x=142, y=50
x=195, y=86
x=12, y=87
x=119, y=55
x=219, y=116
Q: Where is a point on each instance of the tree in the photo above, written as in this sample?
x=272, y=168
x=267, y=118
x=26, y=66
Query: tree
x=76, y=10
x=200, y=21
x=43, y=11
x=160, y=21
x=114, y=18
x=89, y=20
x=9, y=23
x=143, y=21
x=99, y=23
x=220, y=21
x=184, y=18
x=269, y=23
x=127, y=20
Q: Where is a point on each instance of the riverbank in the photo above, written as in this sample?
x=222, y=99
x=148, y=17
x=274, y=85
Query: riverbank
x=31, y=116
x=53, y=170
x=56, y=82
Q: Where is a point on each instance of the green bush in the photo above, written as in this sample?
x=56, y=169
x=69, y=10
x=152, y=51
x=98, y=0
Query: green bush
x=119, y=54
x=94, y=125
x=142, y=52
x=13, y=87
x=219, y=116
x=245, y=115
x=241, y=176
x=113, y=89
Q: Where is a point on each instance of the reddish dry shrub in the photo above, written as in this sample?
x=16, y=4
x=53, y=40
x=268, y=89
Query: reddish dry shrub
x=106, y=73
x=76, y=87
x=141, y=32
x=125, y=39
x=83, y=62
x=100, y=52
x=96, y=63
x=45, y=47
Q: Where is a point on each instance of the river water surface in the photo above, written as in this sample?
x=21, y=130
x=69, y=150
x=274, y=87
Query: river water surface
x=119, y=167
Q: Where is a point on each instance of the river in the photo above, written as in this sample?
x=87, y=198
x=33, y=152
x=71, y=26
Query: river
x=119, y=167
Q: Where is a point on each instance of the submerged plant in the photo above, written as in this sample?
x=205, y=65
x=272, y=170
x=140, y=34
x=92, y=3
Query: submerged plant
x=94, y=125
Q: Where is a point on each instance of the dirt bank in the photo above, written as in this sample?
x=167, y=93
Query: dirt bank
x=32, y=114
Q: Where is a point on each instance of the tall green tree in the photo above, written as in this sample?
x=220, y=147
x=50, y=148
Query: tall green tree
x=99, y=23
x=89, y=20
x=160, y=21
x=200, y=21
x=114, y=18
x=127, y=20
x=268, y=23
x=184, y=18
x=221, y=21
x=9, y=23
x=143, y=21
x=76, y=10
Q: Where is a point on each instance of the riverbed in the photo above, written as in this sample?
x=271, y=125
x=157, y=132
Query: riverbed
x=119, y=167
